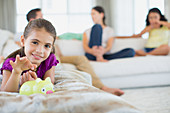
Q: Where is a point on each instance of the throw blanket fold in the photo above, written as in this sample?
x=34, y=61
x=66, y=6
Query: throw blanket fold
x=73, y=94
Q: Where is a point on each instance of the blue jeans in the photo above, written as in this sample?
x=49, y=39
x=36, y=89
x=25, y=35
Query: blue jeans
x=96, y=40
x=147, y=50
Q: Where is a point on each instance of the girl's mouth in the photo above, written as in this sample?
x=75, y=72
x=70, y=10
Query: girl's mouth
x=37, y=57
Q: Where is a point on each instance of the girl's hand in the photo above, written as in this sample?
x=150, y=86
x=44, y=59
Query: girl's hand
x=28, y=76
x=95, y=50
x=22, y=64
x=135, y=36
x=101, y=50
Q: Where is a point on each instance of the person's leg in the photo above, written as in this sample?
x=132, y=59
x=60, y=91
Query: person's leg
x=161, y=50
x=95, y=39
x=140, y=53
x=82, y=64
x=125, y=53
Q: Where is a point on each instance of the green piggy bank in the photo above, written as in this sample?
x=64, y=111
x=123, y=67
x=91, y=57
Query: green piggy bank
x=37, y=86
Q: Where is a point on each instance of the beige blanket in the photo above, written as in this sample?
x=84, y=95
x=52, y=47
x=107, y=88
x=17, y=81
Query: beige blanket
x=73, y=94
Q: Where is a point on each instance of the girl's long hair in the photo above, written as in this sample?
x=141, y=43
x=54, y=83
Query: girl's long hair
x=155, y=10
x=36, y=24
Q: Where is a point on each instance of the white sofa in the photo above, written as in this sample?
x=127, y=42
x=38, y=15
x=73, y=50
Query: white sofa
x=120, y=73
x=148, y=71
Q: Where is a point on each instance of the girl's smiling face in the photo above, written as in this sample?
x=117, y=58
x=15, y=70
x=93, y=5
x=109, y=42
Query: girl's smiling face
x=38, y=45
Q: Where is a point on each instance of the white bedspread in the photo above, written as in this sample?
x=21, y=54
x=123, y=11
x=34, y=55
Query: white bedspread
x=73, y=94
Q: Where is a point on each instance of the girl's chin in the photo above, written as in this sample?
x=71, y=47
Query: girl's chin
x=36, y=63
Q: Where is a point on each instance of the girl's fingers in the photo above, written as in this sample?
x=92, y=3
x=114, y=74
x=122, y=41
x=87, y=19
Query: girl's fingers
x=17, y=58
x=23, y=78
x=23, y=59
x=11, y=62
x=33, y=74
x=27, y=76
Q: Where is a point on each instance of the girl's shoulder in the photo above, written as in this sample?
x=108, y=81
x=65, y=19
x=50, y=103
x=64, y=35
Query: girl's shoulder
x=47, y=65
x=49, y=62
x=6, y=65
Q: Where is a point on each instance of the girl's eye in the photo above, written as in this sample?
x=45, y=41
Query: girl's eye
x=35, y=42
x=47, y=46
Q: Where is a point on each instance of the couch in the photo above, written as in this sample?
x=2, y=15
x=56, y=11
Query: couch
x=136, y=72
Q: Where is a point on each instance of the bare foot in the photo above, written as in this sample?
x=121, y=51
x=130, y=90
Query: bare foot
x=140, y=53
x=114, y=91
x=101, y=59
x=1, y=59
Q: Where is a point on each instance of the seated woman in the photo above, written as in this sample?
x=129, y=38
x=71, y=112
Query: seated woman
x=98, y=40
x=158, y=28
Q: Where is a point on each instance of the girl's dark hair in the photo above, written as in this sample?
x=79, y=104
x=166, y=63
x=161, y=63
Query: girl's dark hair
x=36, y=24
x=155, y=10
x=100, y=10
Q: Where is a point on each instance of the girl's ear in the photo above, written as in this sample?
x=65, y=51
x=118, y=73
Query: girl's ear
x=22, y=40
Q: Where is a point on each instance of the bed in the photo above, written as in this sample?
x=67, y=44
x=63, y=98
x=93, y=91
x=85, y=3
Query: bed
x=73, y=94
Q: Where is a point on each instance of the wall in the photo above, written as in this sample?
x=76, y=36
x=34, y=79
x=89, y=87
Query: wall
x=121, y=16
x=167, y=9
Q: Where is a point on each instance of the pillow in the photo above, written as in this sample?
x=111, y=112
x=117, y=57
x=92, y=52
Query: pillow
x=70, y=47
x=9, y=47
x=70, y=36
x=4, y=36
x=17, y=36
x=135, y=43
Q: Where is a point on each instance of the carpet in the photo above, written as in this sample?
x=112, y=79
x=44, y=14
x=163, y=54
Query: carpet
x=149, y=100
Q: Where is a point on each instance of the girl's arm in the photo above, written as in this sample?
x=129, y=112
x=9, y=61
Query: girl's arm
x=10, y=81
x=164, y=23
x=146, y=29
x=50, y=73
x=109, y=45
x=123, y=37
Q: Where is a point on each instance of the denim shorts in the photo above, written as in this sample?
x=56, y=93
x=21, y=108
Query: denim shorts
x=147, y=50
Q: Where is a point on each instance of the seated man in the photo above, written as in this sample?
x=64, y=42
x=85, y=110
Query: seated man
x=81, y=62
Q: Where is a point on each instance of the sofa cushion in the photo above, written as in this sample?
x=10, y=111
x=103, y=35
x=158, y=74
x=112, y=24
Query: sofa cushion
x=135, y=43
x=4, y=36
x=75, y=47
x=70, y=47
x=9, y=47
x=132, y=66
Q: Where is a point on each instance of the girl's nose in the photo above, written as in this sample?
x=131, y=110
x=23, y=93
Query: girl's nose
x=39, y=49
